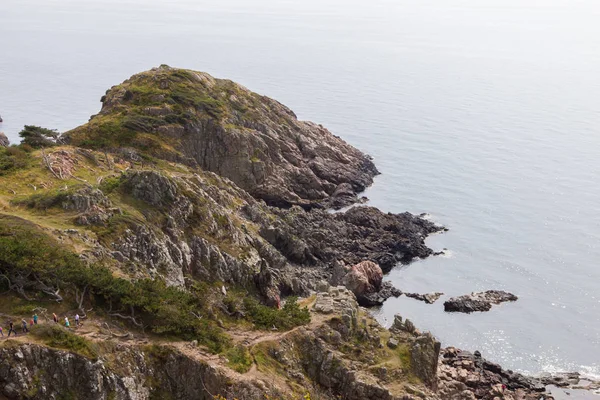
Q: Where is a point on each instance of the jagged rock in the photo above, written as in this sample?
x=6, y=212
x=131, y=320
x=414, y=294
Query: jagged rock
x=86, y=199
x=364, y=278
x=324, y=303
x=323, y=286
x=481, y=301
x=318, y=237
x=392, y=343
x=463, y=375
x=428, y=298
x=4, y=142
x=424, y=354
x=39, y=373
x=409, y=326
x=386, y=291
x=255, y=141
x=94, y=207
x=151, y=187
x=397, y=324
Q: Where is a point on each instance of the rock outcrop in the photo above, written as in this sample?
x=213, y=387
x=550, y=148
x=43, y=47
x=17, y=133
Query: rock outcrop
x=428, y=298
x=480, y=301
x=4, y=142
x=466, y=375
x=361, y=233
x=201, y=185
x=220, y=126
x=424, y=354
x=364, y=278
x=132, y=373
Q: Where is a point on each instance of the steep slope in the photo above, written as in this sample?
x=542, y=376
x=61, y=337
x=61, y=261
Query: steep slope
x=220, y=126
x=190, y=209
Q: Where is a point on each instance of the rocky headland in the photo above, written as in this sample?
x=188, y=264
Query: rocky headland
x=182, y=222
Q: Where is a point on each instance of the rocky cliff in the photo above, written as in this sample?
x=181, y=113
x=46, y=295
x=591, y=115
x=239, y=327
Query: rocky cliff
x=192, y=118
x=179, y=222
x=190, y=208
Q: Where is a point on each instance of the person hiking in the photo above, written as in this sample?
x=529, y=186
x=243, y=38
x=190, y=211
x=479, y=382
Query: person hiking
x=1, y=333
x=76, y=319
x=24, y=324
x=55, y=318
x=35, y=318
x=11, y=329
x=67, y=324
x=31, y=323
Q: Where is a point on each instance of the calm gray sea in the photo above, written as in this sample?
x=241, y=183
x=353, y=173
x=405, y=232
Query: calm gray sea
x=483, y=113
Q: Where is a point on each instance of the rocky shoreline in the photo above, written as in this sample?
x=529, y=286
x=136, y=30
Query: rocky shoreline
x=190, y=180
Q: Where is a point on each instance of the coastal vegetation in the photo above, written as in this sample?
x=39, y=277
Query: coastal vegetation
x=186, y=225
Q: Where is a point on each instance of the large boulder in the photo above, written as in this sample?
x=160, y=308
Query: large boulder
x=364, y=278
x=480, y=301
x=4, y=142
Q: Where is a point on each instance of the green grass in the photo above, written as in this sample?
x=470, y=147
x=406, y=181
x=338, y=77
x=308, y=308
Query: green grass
x=61, y=338
x=403, y=353
x=110, y=184
x=239, y=359
x=14, y=158
x=45, y=200
x=264, y=361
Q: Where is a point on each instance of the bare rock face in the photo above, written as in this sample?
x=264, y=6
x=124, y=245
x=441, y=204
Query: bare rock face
x=93, y=206
x=4, y=142
x=480, y=301
x=24, y=373
x=424, y=354
x=225, y=128
x=364, y=278
x=361, y=233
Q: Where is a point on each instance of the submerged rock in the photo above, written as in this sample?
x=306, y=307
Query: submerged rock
x=480, y=301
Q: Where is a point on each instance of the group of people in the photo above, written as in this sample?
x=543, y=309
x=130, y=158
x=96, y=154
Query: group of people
x=67, y=323
x=13, y=330
x=33, y=321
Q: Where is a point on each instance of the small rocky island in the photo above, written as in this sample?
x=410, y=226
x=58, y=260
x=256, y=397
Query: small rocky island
x=187, y=225
x=480, y=301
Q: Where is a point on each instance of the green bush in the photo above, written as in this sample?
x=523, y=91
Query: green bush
x=25, y=309
x=28, y=257
x=239, y=359
x=143, y=123
x=110, y=184
x=13, y=158
x=44, y=201
x=288, y=317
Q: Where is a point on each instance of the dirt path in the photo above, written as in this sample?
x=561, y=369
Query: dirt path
x=95, y=330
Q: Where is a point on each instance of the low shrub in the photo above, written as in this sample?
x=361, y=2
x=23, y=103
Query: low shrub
x=239, y=359
x=57, y=336
x=45, y=200
x=288, y=317
x=13, y=158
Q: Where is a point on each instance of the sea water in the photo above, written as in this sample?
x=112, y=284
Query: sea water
x=484, y=114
